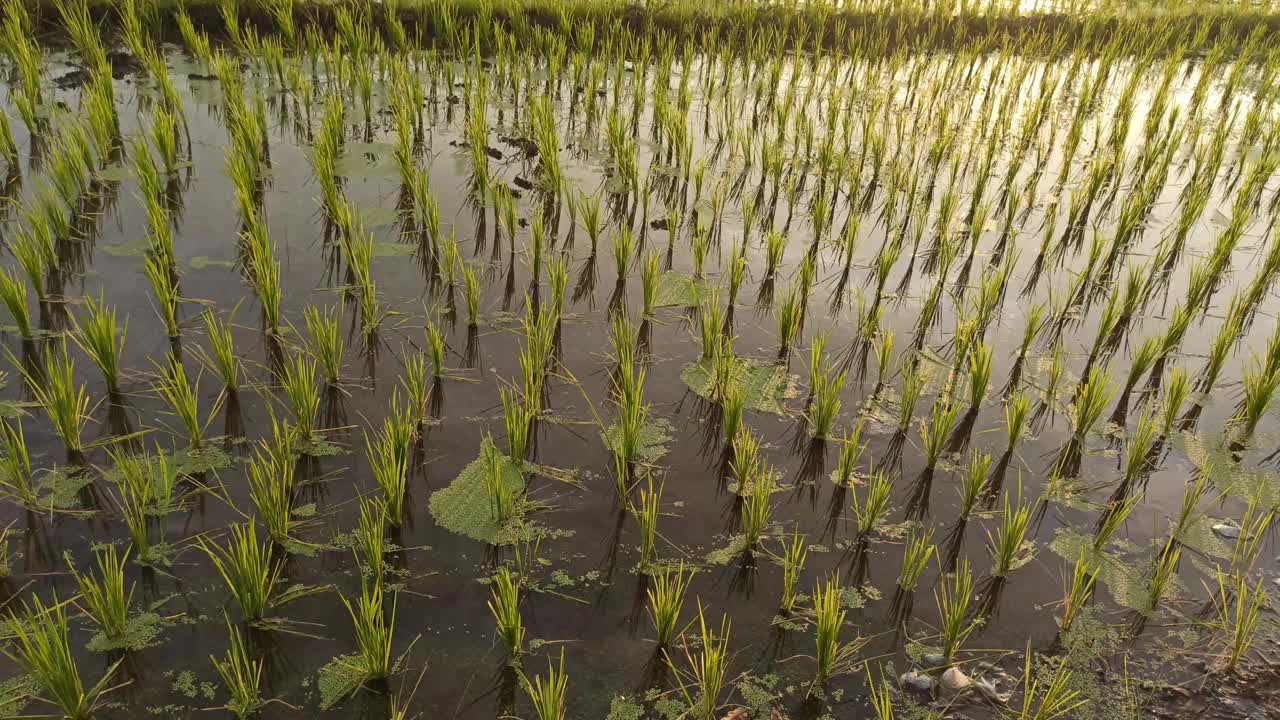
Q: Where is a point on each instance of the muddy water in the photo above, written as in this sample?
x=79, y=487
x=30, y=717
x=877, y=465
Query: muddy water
x=594, y=605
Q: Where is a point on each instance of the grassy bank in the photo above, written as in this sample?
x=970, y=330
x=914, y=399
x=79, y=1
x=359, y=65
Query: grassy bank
x=917, y=25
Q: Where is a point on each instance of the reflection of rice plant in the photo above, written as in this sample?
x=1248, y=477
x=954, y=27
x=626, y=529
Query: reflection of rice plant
x=505, y=606
x=666, y=599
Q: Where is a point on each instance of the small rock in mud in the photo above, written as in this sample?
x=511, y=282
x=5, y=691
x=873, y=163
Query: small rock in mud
x=659, y=224
x=933, y=661
x=494, y=152
x=521, y=182
x=954, y=680
x=201, y=76
x=72, y=79
x=1228, y=530
x=123, y=64
x=916, y=681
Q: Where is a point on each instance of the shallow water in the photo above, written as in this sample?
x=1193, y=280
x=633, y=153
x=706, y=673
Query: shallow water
x=597, y=610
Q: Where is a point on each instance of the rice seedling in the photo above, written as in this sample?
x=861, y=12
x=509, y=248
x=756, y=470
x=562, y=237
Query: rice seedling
x=702, y=683
x=788, y=317
x=871, y=512
x=919, y=549
x=851, y=450
x=64, y=401
x=373, y=625
x=504, y=604
x=1164, y=570
x=1092, y=397
x=953, y=596
x=833, y=657
x=13, y=293
x=1084, y=576
x=934, y=433
x=298, y=382
x=241, y=674
x=825, y=404
x=549, y=695
x=16, y=477
x=388, y=454
x=247, y=569
x=102, y=339
x=179, y=392
x=757, y=510
x=1260, y=384
x=881, y=695
x=41, y=646
x=646, y=513
x=33, y=249
x=1010, y=549
x=1239, y=610
x=435, y=349
x=666, y=600
x=794, y=554
x=326, y=341
x=973, y=484
x=106, y=597
x=1057, y=699
x=163, y=283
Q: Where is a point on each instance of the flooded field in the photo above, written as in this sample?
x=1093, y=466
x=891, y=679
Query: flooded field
x=395, y=363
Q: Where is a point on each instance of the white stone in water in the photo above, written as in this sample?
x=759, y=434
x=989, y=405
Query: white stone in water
x=1228, y=530
x=954, y=680
x=916, y=681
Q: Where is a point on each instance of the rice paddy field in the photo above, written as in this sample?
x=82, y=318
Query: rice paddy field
x=486, y=358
